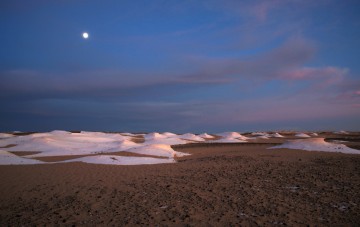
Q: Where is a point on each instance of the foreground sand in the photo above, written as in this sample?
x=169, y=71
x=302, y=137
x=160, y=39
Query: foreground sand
x=218, y=185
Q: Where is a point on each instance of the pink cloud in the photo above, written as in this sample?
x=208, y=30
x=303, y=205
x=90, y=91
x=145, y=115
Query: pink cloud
x=312, y=72
x=348, y=96
x=329, y=75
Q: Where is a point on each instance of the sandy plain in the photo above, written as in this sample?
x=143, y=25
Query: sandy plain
x=218, y=185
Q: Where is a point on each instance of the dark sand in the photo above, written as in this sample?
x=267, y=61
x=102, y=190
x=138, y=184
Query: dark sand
x=218, y=185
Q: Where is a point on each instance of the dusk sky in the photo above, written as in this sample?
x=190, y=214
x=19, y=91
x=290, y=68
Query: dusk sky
x=179, y=66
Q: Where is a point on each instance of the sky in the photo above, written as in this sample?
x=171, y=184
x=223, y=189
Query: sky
x=180, y=66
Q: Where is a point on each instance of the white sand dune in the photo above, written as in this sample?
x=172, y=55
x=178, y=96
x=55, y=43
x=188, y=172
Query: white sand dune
x=259, y=134
x=232, y=135
x=190, y=136
x=317, y=144
x=157, y=138
x=171, y=138
x=342, y=132
x=162, y=150
x=206, y=136
x=120, y=160
x=58, y=143
x=5, y=135
x=276, y=135
x=154, y=135
x=227, y=139
x=169, y=134
x=63, y=143
x=7, y=158
x=265, y=135
x=302, y=135
x=129, y=134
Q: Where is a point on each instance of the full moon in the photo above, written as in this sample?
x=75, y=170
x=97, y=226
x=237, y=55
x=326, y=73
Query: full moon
x=85, y=35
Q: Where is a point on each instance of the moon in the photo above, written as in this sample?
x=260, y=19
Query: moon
x=85, y=35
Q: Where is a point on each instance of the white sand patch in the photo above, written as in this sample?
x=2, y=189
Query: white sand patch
x=228, y=139
x=302, y=135
x=314, y=134
x=232, y=135
x=154, y=136
x=342, y=132
x=120, y=160
x=59, y=132
x=276, y=135
x=169, y=134
x=316, y=144
x=339, y=141
x=128, y=134
x=206, y=136
x=7, y=158
x=63, y=143
x=106, y=135
x=59, y=143
x=5, y=135
x=229, y=134
x=170, y=138
x=259, y=134
x=189, y=136
x=265, y=135
x=166, y=140
x=163, y=150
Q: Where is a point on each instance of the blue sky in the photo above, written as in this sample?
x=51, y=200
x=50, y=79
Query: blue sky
x=180, y=65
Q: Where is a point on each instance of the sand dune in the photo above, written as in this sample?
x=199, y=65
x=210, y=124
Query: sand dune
x=317, y=144
x=302, y=135
x=84, y=145
x=7, y=158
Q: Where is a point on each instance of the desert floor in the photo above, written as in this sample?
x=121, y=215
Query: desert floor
x=218, y=185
